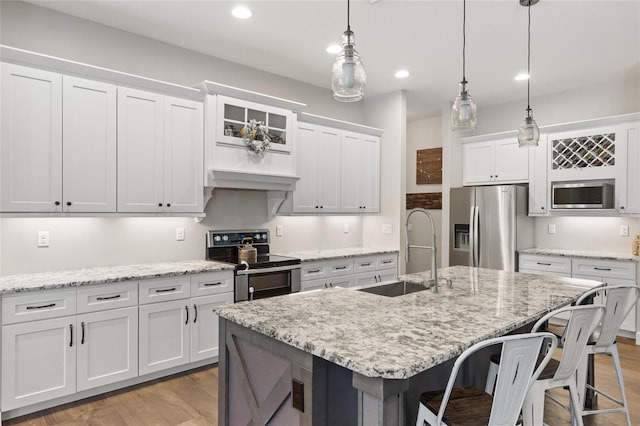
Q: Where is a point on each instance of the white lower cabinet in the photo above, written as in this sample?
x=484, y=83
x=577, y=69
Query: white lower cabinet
x=611, y=272
x=107, y=347
x=38, y=361
x=58, y=343
x=349, y=271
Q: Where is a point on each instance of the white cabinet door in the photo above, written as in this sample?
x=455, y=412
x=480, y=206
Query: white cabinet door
x=538, y=183
x=370, y=186
x=328, y=159
x=164, y=335
x=38, y=361
x=107, y=345
x=632, y=205
x=478, y=162
x=204, y=327
x=183, y=155
x=89, y=155
x=140, y=161
x=360, y=166
x=365, y=278
x=305, y=196
x=511, y=161
x=31, y=140
x=351, y=170
x=387, y=275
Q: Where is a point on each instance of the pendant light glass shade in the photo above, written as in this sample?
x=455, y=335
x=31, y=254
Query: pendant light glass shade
x=528, y=133
x=347, y=76
x=463, y=111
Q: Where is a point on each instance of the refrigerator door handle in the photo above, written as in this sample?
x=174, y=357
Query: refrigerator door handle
x=472, y=257
x=476, y=239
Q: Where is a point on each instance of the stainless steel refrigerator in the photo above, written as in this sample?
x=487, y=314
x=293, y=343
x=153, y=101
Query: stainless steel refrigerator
x=488, y=224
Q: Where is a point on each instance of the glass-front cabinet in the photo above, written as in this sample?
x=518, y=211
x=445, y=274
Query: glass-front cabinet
x=234, y=115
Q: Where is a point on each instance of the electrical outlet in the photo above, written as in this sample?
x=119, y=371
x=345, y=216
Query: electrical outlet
x=410, y=227
x=180, y=233
x=345, y=228
x=551, y=229
x=387, y=228
x=279, y=230
x=624, y=230
x=43, y=238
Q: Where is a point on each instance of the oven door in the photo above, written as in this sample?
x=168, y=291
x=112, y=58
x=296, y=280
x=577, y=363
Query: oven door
x=267, y=282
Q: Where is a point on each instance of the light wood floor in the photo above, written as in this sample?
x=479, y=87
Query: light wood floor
x=192, y=399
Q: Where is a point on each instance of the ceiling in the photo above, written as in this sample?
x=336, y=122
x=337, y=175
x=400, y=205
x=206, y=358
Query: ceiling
x=574, y=43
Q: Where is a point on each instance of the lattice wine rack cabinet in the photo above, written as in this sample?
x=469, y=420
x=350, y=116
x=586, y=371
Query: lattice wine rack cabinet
x=584, y=151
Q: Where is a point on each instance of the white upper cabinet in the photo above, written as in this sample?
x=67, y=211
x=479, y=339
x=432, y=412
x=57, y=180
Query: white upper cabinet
x=538, y=183
x=89, y=140
x=632, y=191
x=495, y=161
x=31, y=144
x=360, y=165
x=318, y=165
x=160, y=148
x=183, y=155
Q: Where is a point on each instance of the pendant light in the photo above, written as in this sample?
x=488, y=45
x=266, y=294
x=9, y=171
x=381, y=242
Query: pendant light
x=528, y=133
x=463, y=111
x=348, y=77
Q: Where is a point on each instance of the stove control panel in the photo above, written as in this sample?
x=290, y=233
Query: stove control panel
x=234, y=238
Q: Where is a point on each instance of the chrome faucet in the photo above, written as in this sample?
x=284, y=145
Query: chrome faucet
x=433, y=282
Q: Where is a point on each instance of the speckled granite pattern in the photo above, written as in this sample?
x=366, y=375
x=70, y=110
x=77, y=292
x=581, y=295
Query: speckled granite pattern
x=399, y=337
x=81, y=277
x=326, y=254
x=584, y=254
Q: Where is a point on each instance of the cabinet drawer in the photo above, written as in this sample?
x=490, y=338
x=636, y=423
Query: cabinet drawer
x=335, y=268
x=388, y=261
x=312, y=270
x=365, y=264
x=211, y=283
x=549, y=265
x=160, y=290
x=604, y=268
x=108, y=296
x=38, y=306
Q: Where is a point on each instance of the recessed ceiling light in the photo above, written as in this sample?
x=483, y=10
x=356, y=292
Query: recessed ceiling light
x=522, y=77
x=334, y=49
x=401, y=74
x=242, y=12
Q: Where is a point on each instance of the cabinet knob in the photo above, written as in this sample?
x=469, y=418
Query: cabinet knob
x=68, y=203
x=316, y=207
x=621, y=207
x=542, y=208
x=159, y=204
x=321, y=207
x=168, y=204
x=57, y=203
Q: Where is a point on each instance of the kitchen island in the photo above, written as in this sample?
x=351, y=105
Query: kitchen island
x=343, y=356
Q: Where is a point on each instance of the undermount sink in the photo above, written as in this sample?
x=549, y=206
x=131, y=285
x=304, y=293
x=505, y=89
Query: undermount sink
x=394, y=288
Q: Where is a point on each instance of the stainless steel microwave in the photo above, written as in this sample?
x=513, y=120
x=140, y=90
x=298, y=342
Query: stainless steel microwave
x=587, y=194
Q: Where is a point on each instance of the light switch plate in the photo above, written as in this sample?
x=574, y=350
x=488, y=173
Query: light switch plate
x=43, y=238
x=624, y=230
x=279, y=230
x=387, y=228
x=345, y=228
x=551, y=229
x=180, y=233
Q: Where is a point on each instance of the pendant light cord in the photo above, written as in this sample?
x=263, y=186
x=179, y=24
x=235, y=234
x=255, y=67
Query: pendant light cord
x=529, y=57
x=348, y=25
x=464, y=39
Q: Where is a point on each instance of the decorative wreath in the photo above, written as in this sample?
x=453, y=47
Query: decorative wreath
x=256, y=137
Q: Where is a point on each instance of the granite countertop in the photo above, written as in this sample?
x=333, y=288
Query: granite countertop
x=81, y=277
x=398, y=337
x=601, y=255
x=327, y=254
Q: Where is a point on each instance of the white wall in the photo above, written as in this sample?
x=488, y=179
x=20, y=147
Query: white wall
x=602, y=100
x=89, y=242
x=422, y=134
x=389, y=113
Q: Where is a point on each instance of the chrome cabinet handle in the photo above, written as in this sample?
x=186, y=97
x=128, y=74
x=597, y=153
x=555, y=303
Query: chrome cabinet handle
x=543, y=263
x=315, y=271
x=601, y=269
x=195, y=313
x=82, y=338
x=70, y=335
x=165, y=290
x=186, y=309
x=212, y=284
